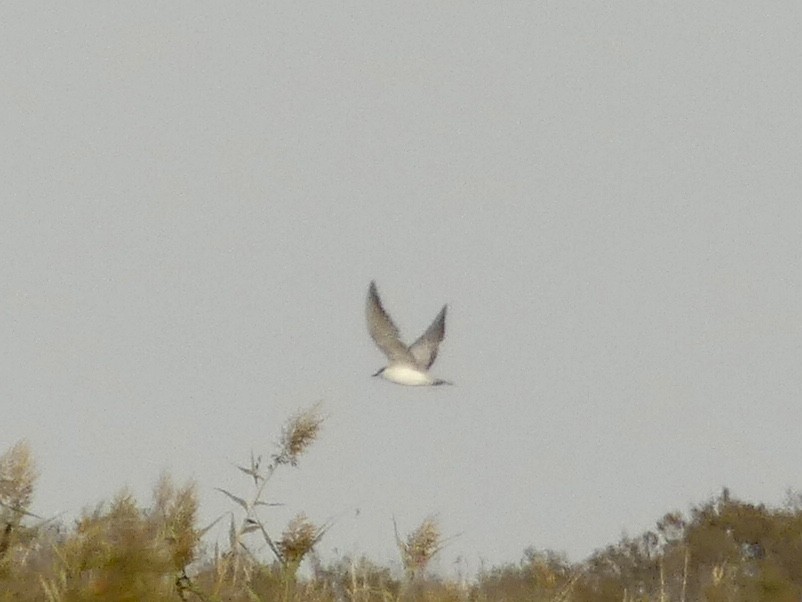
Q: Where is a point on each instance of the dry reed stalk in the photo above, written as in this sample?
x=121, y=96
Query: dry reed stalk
x=420, y=546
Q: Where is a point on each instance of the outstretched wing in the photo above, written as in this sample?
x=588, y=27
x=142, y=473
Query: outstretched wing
x=424, y=350
x=382, y=330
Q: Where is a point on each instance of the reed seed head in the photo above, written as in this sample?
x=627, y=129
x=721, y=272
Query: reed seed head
x=299, y=433
x=298, y=539
x=17, y=477
x=420, y=546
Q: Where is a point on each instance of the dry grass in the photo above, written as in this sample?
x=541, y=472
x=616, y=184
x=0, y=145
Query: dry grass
x=298, y=434
x=240, y=564
x=117, y=551
x=120, y=551
x=298, y=539
x=17, y=479
x=420, y=546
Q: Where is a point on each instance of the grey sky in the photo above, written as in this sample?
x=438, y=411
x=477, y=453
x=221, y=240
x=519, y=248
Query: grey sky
x=195, y=197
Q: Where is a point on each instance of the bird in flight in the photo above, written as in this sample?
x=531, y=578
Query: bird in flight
x=407, y=365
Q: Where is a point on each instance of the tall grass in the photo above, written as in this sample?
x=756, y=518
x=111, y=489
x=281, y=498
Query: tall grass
x=725, y=550
x=17, y=478
x=419, y=547
x=239, y=568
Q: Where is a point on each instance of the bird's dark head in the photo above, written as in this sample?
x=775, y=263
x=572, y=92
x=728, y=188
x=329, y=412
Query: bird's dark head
x=378, y=372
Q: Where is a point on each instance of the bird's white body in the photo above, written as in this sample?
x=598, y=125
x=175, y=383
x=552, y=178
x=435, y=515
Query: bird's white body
x=403, y=374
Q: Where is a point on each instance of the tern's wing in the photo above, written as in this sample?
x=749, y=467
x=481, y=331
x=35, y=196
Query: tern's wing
x=424, y=350
x=382, y=330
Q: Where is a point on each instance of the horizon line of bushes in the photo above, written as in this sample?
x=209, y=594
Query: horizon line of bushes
x=724, y=549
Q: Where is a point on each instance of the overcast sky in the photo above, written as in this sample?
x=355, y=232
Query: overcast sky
x=196, y=195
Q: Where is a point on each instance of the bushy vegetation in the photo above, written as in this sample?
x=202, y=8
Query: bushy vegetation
x=724, y=549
